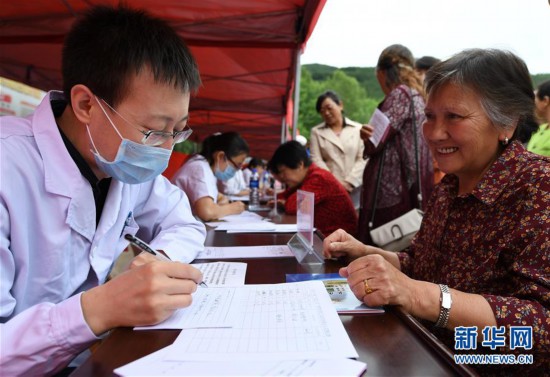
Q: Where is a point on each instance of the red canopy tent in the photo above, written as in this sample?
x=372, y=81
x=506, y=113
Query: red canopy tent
x=247, y=52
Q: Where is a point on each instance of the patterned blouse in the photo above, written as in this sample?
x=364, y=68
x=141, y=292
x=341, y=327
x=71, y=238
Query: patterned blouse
x=333, y=206
x=494, y=242
x=399, y=181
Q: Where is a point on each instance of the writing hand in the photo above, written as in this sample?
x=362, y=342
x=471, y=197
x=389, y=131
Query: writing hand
x=144, y=295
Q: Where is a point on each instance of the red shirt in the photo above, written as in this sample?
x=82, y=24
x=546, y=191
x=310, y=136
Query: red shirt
x=333, y=206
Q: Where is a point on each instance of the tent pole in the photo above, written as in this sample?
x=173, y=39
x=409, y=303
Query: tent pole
x=296, y=94
x=283, y=130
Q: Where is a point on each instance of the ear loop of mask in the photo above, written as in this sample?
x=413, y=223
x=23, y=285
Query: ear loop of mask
x=108, y=117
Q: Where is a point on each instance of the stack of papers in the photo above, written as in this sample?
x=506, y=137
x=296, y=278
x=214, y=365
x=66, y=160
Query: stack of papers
x=276, y=329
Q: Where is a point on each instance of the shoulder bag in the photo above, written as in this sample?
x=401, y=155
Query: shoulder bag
x=397, y=234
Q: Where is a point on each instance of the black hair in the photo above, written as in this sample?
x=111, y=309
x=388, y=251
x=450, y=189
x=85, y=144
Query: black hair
x=255, y=162
x=426, y=62
x=289, y=154
x=500, y=79
x=543, y=90
x=106, y=46
x=328, y=94
x=231, y=143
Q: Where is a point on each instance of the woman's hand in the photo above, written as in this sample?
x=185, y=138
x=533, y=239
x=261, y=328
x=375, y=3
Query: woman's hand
x=340, y=244
x=366, y=132
x=377, y=282
x=222, y=199
x=347, y=186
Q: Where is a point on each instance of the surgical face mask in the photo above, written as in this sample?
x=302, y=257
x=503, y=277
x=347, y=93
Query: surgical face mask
x=227, y=174
x=134, y=162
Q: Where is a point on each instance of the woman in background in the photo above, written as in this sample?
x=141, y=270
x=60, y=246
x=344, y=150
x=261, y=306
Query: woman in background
x=221, y=156
x=335, y=144
x=540, y=140
x=398, y=191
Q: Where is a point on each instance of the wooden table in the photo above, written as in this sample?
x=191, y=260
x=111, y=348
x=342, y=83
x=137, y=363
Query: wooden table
x=392, y=344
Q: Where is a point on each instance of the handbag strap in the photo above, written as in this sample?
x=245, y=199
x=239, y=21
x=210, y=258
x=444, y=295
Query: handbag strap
x=381, y=167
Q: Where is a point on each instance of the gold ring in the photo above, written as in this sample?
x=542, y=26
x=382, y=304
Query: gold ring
x=368, y=290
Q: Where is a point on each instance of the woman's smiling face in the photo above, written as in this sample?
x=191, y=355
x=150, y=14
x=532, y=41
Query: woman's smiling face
x=461, y=136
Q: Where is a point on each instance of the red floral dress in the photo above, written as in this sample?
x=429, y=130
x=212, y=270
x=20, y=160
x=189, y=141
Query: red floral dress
x=494, y=242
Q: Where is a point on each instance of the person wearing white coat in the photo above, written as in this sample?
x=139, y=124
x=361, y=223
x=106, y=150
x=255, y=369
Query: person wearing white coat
x=55, y=252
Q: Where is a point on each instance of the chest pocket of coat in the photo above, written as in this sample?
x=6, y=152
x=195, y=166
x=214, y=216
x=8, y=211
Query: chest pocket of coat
x=130, y=226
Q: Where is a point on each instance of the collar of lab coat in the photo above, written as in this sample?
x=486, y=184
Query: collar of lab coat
x=61, y=175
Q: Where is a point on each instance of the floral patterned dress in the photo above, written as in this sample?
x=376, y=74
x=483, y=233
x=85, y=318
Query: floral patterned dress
x=399, y=181
x=494, y=242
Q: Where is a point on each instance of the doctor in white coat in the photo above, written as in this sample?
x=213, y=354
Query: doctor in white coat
x=79, y=174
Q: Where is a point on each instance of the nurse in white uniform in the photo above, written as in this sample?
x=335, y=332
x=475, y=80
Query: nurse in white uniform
x=221, y=156
x=81, y=173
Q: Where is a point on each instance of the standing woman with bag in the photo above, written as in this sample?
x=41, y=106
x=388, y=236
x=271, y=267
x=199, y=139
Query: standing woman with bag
x=401, y=151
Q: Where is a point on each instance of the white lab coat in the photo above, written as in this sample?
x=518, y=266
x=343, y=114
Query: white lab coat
x=50, y=249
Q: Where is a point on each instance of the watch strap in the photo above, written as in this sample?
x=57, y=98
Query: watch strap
x=445, y=306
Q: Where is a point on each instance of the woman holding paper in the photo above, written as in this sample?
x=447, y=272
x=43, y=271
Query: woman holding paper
x=395, y=151
x=221, y=156
x=480, y=259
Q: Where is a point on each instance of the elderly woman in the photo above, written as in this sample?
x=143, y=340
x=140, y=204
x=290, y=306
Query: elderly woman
x=481, y=257
x=291, y=165
x=335, y=144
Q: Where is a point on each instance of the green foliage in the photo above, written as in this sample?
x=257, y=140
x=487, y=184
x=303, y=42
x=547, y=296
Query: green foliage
x=539, y=78
x=357, y=86
x=357, y=105
x=187, y=147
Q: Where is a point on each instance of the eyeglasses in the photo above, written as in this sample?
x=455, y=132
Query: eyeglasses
x=156, y=138
x=234, y=164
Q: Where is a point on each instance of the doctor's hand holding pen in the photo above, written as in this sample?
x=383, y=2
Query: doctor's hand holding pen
x=145, y=294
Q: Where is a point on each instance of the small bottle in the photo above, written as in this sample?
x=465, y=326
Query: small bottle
x=254, y=190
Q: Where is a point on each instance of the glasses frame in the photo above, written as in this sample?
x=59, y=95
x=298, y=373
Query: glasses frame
x=177, y=136
x=238, y=167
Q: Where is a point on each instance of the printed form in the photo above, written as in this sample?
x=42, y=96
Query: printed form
x=289, y=321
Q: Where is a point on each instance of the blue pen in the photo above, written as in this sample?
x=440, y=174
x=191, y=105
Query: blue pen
x=145, y=247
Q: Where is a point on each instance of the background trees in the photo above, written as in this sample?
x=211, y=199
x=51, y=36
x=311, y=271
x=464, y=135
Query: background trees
x=357, y=86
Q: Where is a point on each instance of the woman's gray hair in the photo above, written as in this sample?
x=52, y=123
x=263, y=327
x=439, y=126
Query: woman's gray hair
x=499, y=78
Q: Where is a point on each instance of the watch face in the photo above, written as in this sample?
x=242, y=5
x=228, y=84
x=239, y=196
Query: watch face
x=446, y=300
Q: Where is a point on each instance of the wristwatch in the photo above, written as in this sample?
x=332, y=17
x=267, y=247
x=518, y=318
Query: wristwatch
x=446, y=302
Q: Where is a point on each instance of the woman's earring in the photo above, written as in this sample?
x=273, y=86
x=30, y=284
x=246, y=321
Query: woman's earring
x=505, y=141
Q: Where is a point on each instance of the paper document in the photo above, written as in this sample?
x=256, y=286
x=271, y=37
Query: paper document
x=235, y=252
x=246, y=227
x=289, y=321
x=380, y=122
x=244, y=217
x=276, y=228
x=210, y=309
x=238, y=198
x=222, y=274
x=155, y=365
x=339, y=291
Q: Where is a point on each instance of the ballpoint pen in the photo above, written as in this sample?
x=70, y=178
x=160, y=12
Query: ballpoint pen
x=148, y=249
